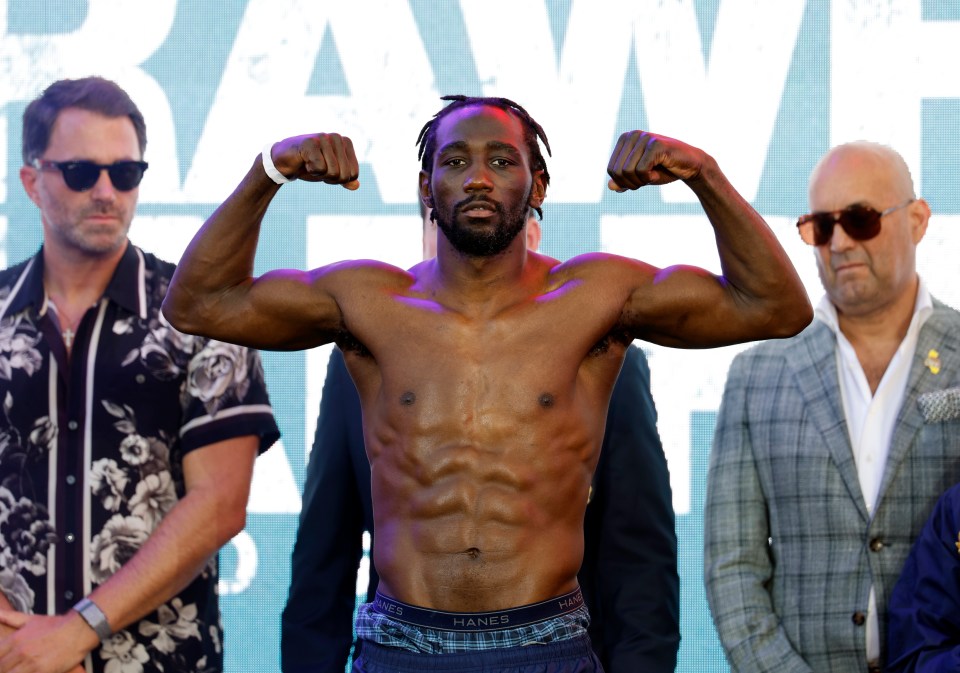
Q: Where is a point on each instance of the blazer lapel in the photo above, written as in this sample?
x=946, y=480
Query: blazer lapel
x=935, y=335
x=815, y=368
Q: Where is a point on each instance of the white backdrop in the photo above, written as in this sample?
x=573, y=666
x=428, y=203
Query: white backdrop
x=766, y=87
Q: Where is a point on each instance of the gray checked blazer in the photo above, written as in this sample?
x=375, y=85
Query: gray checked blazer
x=790, y=551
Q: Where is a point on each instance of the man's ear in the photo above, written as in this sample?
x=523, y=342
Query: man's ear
x=919, y=218
x=534, y=233
x=426, y=196
x=538, y=191
x=28, y=177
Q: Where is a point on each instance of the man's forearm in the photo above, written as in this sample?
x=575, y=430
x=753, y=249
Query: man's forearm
x=221, y=255
x=752, y=259
x=173, y=555
x=5, y=605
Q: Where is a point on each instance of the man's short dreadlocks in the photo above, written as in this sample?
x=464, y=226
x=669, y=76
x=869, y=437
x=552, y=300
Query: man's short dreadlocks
x=427, y=140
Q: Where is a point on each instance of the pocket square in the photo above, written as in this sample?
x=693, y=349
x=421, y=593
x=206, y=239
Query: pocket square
x=940, y=405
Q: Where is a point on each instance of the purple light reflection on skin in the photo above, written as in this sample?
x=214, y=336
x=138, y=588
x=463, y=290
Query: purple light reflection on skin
x=569, y=286
x=422, y=304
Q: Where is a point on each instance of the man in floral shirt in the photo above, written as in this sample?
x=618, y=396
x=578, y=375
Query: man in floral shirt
x=126, y=447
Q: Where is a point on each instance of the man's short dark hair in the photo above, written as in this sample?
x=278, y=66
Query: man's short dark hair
x=94, y=94
x=427, y=140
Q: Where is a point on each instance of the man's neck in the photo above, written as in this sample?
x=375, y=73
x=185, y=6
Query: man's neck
x=484, y=283
x=73, y=280
x=876, y=336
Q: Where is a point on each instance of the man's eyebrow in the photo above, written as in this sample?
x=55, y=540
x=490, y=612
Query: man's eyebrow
x=460, y=145
x=502, y=147
x=463, y=146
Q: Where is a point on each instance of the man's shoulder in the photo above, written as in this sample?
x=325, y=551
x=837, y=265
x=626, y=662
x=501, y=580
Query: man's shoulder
x=20, y=286
x=11, y=274
x=156, y=265
x=947, y=315
x=587, y=263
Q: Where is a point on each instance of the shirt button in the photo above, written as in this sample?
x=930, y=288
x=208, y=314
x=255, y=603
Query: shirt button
x=69, y=537
x=73, y=425
x=71, y=480
x=876, y=544
x=859, y=618
x=68, y=595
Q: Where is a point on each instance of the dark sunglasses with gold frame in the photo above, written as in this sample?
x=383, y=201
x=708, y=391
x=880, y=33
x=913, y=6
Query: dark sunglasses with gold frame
x=861, y=223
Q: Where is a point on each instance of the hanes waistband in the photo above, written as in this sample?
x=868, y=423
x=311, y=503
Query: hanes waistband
x=478, y=621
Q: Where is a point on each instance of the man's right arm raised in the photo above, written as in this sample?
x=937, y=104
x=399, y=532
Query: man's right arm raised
x=214, y=292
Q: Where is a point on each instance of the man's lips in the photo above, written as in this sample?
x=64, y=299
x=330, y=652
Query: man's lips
x=477, y=204
x=478, y=211
x=477, y=208
x=102, y=217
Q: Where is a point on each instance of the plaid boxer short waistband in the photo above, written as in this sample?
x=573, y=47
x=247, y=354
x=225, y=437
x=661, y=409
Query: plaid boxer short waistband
x=478, y=621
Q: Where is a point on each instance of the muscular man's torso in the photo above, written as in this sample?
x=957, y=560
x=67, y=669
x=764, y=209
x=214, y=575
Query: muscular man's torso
x=482, y=425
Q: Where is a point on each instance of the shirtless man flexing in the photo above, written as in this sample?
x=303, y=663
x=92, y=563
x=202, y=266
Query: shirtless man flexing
x=485, y=373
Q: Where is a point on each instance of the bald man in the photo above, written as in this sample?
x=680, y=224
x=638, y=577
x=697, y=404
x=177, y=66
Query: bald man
x=828, y=454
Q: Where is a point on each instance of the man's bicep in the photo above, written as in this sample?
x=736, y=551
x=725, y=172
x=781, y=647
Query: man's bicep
x=283, y=309
x=686, y=307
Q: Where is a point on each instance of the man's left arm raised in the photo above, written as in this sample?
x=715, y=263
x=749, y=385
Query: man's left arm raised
x=759, y=294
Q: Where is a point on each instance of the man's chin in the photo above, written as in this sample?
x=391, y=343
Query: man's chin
x=100, y=246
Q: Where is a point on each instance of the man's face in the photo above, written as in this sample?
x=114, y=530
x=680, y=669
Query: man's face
x=482, y=185
x=866, y=277
x=93, y=223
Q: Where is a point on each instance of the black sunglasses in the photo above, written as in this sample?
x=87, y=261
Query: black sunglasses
x=861, y=223
x=82, y=175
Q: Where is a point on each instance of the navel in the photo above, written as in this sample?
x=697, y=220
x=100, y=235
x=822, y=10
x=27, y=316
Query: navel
x=546, y=400
x=408, y=398
x=472, y=553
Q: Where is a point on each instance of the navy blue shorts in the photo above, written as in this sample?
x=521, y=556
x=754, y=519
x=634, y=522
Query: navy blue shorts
x=567, y=656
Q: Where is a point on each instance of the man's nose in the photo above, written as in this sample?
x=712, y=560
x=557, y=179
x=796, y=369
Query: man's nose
x=478, y=178
x=103, y=189
x=840, y=240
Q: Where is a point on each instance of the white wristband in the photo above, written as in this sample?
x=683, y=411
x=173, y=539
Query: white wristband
x=270, y=169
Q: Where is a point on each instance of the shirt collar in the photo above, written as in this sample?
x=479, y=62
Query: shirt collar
x=826, y=312
x=126, y=286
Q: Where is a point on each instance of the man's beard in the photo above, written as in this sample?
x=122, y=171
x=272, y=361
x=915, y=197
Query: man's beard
x=475, y=243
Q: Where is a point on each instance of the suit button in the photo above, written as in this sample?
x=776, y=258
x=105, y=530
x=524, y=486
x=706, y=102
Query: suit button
x=876, y=544
x=859, y=618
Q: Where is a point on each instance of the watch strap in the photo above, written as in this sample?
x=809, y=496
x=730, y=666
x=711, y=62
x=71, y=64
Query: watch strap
x=94, y=617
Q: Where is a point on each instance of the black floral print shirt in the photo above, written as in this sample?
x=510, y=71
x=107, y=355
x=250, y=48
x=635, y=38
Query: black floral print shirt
x=92, y=447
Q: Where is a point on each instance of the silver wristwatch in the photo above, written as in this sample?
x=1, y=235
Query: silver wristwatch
x=94, y=616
